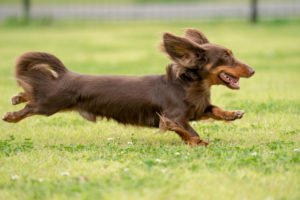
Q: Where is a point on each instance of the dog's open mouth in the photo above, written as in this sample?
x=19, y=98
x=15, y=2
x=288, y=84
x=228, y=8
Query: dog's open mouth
x=229, y=80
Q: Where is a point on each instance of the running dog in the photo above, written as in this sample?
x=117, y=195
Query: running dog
x=168, y=101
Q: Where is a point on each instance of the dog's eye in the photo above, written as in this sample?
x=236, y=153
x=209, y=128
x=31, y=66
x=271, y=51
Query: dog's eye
x=226, y=55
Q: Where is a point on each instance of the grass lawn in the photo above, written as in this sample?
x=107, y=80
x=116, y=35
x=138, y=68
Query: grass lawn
x=64, y=156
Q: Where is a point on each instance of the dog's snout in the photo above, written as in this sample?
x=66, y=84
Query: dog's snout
x=251, y=71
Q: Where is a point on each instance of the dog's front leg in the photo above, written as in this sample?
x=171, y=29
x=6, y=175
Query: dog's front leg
x=183, y=129
x=217, y=113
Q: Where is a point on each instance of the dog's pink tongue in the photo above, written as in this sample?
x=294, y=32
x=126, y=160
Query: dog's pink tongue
x=233, y=82
x=234, y=85
x=233, y=79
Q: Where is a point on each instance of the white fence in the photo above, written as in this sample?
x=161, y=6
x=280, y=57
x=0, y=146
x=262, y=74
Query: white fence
x=153, y=11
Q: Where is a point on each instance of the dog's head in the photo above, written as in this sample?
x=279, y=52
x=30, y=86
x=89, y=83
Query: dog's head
x=210, y=61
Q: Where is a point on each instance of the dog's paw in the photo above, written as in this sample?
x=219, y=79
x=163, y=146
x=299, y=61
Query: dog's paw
x=238, y=114
x=8, y=117
x=16, y=100
x=196, y=141
x=202, y=143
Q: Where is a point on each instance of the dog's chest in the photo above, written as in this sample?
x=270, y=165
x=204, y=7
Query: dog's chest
x=198, y=101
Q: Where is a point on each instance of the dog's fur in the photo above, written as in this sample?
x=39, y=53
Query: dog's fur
x=168, y=101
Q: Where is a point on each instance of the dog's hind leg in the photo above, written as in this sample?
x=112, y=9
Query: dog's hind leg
x=14, y=117
x=19, y=98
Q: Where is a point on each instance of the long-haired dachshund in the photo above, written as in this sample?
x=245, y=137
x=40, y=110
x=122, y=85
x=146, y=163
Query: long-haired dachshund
x=168, y=101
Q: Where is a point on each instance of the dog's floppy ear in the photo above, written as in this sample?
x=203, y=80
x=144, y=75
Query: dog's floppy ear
x=183, y=51
x=195, y=36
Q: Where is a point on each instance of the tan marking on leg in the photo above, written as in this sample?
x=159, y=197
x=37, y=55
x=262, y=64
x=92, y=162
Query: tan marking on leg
x=220, y=114
x=14, y=117
x=167, y=124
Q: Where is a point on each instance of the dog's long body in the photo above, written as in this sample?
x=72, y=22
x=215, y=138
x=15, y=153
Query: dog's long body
x=168, y=101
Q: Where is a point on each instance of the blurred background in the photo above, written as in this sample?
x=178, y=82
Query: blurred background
x=253, y=158
x=167, y=10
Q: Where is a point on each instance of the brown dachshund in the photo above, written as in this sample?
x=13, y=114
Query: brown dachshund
x=168, y=101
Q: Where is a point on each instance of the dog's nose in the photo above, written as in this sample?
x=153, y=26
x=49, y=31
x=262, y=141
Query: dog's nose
x=251, y=71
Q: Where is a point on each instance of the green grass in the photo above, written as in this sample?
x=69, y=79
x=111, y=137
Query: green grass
x=66, y=157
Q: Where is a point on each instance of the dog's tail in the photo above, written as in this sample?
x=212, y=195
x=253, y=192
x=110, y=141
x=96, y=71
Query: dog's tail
x=39, y=61
x=35, y=69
